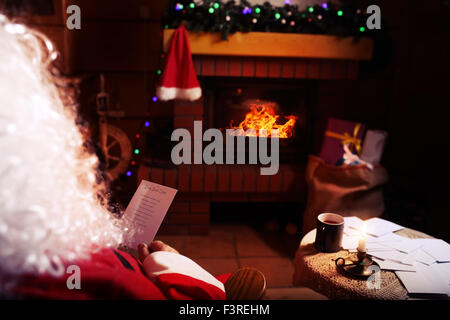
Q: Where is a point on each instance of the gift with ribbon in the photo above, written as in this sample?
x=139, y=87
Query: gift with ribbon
x=339, y=133
x=374, y=142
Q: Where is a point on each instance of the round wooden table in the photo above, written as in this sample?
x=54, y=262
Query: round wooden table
x=317, y=271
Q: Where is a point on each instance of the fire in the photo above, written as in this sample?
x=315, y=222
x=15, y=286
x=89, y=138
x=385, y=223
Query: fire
x=263, y=117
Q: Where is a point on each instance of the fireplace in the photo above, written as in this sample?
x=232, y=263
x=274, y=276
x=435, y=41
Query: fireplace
x=230, y=84
x=285, y=104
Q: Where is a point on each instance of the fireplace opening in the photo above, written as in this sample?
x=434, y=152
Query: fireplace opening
x=263, y=104
x=261, y=118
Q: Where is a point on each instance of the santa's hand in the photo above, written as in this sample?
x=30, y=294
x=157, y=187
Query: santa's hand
x=144, y=250
x=161, y=246
x=177, y=276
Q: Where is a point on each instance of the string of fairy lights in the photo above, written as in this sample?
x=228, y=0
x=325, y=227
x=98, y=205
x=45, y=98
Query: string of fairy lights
x=227, y=17
x=136, y=153
x=136, y=148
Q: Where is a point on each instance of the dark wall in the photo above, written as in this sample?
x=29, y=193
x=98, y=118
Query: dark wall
x=416, y=101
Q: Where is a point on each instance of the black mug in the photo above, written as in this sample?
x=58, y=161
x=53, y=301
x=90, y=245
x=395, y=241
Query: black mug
x=329, y=232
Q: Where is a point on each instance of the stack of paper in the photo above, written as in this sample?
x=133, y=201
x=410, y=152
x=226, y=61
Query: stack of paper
x=422, y=265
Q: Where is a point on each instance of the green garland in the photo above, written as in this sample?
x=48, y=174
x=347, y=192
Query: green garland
x=228, y=17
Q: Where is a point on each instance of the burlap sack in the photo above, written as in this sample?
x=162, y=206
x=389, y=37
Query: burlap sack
x=346, y=190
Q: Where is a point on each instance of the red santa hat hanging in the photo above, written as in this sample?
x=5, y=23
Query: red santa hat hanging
x=179, y=80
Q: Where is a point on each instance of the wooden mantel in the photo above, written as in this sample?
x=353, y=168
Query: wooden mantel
x=281, y=45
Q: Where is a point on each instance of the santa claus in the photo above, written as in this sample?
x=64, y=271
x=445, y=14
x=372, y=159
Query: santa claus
x=57, y=239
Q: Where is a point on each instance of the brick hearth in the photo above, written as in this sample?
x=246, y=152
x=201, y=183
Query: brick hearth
x=199, y=185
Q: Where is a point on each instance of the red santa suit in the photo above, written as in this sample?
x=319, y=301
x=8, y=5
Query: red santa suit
x=114, y=274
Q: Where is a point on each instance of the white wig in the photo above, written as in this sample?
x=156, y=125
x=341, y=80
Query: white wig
x=50, y=208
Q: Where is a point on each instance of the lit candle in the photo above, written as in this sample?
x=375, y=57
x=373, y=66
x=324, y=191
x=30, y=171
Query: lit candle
x=362, y=239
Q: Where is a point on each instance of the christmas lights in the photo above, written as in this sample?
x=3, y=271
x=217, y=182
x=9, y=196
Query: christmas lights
x=228, y=17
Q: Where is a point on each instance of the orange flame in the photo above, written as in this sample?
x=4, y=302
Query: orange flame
x=263, y=117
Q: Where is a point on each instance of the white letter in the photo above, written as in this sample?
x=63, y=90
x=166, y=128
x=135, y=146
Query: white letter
x=374, y=21
x=264, y=158
x=240, y=151
x=264, y=311
x=229, y=141
x=198, y=142
x=209, y=310
x=374, y=281
x=252, y=146
x=182, y=311
x=216, y=146
x=73, y=21
x=74, y=281
x=184, y=145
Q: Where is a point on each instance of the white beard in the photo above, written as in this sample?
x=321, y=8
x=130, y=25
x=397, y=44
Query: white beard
x=49, y=208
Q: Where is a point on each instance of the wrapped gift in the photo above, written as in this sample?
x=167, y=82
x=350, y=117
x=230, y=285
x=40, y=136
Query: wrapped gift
x=338, y=133
x=373, y=146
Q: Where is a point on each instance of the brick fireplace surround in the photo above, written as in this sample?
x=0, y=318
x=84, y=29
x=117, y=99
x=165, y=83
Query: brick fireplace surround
x=200, y=185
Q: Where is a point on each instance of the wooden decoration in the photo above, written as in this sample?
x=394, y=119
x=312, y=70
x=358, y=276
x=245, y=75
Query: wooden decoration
x=245, y=284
